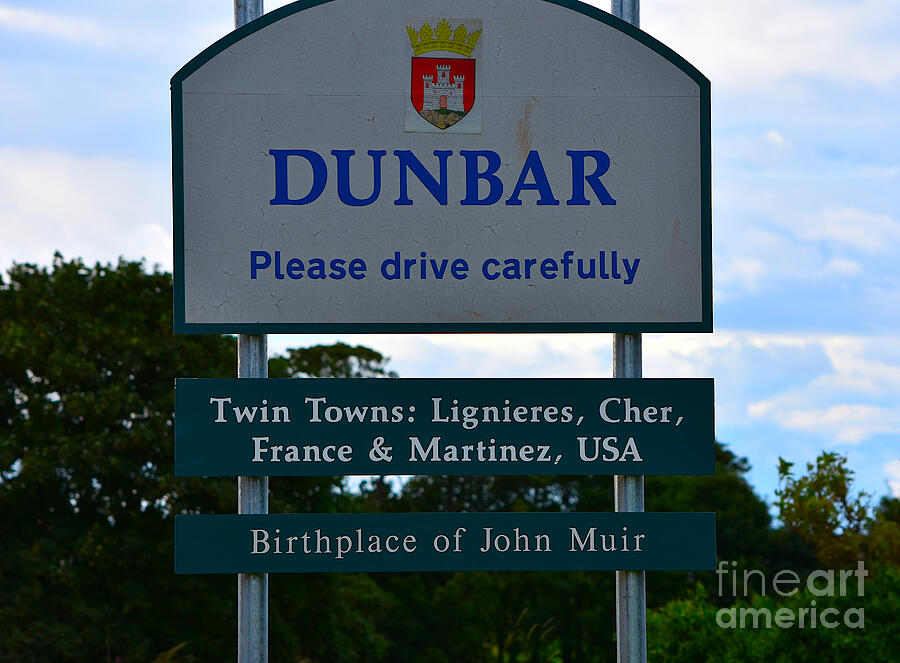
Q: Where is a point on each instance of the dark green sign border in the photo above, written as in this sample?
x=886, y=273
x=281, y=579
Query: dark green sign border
x=182, y=327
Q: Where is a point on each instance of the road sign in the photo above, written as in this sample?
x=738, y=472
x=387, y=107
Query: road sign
x=414, y=166
x=284, y=427
x=297, y=543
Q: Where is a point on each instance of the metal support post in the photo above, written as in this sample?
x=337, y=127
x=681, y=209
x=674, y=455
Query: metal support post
x=246, y=11
x=253, y=497
x=631, y=586
x=628, y=10
x=253, y=492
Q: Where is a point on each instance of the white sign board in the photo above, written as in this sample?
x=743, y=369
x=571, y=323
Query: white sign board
x=518, y=165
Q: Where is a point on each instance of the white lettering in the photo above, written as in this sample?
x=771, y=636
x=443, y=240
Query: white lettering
x=220, y=408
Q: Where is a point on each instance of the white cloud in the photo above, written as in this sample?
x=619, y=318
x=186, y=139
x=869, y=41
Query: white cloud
x=487, y=355
x=842, y=424
x=764, y=150
x=842, y=267
x=784, y=214
x=91, y=207
x=892, y=470
x=541, y=355
x=131, y=31
x=851, y=400
x=56, y=26
x=746, y=272
x=777, y=241
x=751, y=258
x=840, y=389
x=738, y=45
x=807, y=391
x=746, y=45
x=875, y=172
x=862, y=230
x=855, y=368
x=774, y=138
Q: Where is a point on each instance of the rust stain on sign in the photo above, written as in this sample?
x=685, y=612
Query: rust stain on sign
x=524, y=132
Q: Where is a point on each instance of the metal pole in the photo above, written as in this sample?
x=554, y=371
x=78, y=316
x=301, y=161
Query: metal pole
x=631, y=586
x=253, y=492
x=246, y=11
x=253, y=497
x=628, y=10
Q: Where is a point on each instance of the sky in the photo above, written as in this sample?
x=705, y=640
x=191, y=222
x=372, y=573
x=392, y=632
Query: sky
x=806, y=215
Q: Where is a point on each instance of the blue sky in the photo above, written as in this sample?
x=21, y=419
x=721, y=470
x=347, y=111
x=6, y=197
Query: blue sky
x=806, y=216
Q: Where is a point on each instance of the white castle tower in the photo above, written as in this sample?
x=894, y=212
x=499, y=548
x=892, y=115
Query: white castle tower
x=442, y=94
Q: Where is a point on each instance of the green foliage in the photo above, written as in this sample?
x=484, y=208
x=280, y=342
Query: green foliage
x=690, y=630
x=822, y=509
x=743, y=525
x=88, y=494
x=331, y=361
x=567, y=617
x=889, y=509
x=86, y=450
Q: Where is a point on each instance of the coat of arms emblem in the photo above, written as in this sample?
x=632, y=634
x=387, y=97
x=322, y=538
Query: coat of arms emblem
x=443, y=75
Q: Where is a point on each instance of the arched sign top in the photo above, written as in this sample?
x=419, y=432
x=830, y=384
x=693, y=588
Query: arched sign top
x=587, y=10
x=520, y=165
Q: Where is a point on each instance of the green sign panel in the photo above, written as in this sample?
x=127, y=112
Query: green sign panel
x=309, y=427
x=294, y=543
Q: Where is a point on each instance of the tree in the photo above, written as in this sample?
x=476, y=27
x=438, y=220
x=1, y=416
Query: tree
x=822, y=508
x=88, y=494
x=566, y=617
x=744, y=532
x=330, y=361
x=87, y=490
x=694, y=628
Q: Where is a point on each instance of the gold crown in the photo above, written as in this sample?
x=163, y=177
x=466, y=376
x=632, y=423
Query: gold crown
x=443, y=38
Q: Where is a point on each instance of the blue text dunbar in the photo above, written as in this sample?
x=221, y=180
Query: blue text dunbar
x=587, y=167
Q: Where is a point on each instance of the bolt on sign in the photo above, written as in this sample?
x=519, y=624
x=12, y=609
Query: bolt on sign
x=518, y=165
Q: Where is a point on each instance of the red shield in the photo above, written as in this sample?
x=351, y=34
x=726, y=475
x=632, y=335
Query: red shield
x=442, y=90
